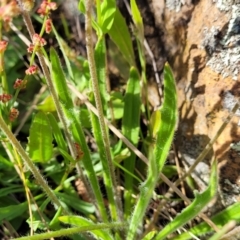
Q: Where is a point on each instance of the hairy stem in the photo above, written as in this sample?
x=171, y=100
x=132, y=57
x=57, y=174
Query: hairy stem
x=95, y=86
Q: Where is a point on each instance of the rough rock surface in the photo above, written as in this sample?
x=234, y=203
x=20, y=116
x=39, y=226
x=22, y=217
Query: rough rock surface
x=202, y=42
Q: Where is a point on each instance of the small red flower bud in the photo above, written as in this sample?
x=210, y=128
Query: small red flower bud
x=45, y=7
x=31, y=70
x=5, y=97
x=3, y=46
x=20, y=84
x=48, y=27
x=79, y=151
x=30, y=48
x=13, y=114
x=38, y=41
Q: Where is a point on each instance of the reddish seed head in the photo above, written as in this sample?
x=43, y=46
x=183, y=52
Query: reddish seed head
x=20, y=84
x=30, y=48
x=5, y=97
x=13, y=114
x=48, y=27
x=79, y=151
x=39, y=41
x=31, y=70
x=46, y=7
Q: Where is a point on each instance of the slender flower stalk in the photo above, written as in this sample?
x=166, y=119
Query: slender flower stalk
x=95, y=86
x=46, y=73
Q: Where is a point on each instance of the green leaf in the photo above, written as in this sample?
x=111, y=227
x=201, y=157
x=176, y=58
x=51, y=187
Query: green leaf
x=220, y=219
x=201, y=200
x=12, y=211
x=108, y=9
x=40, y=139
x=117, y=104
x=160, y=152
x=137, y=18
x=132, y=102
x=47, y=105
x=80, y=221
x=63, y=50
x=168, y=121
x=57, y=133
x=10, y=190
x=150, y=235
x=81, y=6
x=155, y=123
x=75, y=203
x=130, y=129
x=99, y=56
x=67, y=156
x=71, y=116
x=120, y=35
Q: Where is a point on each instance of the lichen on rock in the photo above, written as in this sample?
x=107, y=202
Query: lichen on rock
x=226, y=59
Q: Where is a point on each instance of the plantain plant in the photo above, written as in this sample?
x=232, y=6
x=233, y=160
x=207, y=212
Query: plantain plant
x=115, y=197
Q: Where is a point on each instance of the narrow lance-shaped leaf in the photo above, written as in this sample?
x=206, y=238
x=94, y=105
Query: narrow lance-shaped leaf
x=72, y=118
x=40, y=139
x=120, y=35
x=99, y=56
x=168, y=121
x=137, y=18
x=159, y=153
x=108, y=9
x=220, y=219
x=201, y=201
x=130, y=129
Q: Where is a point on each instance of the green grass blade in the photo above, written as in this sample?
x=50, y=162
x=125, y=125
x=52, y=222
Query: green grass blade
x=99, y=56
x=108, y=9
x=57, y=132
x=130, y=129
x=201, y=200
x=137, y=18
x=12, y=211
x=169, y=117
x=120, y=35
x=80, y=222
x=158, y=156
x=60, y=42
x=72, y=118
x=40, y=139
x=220, y=219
